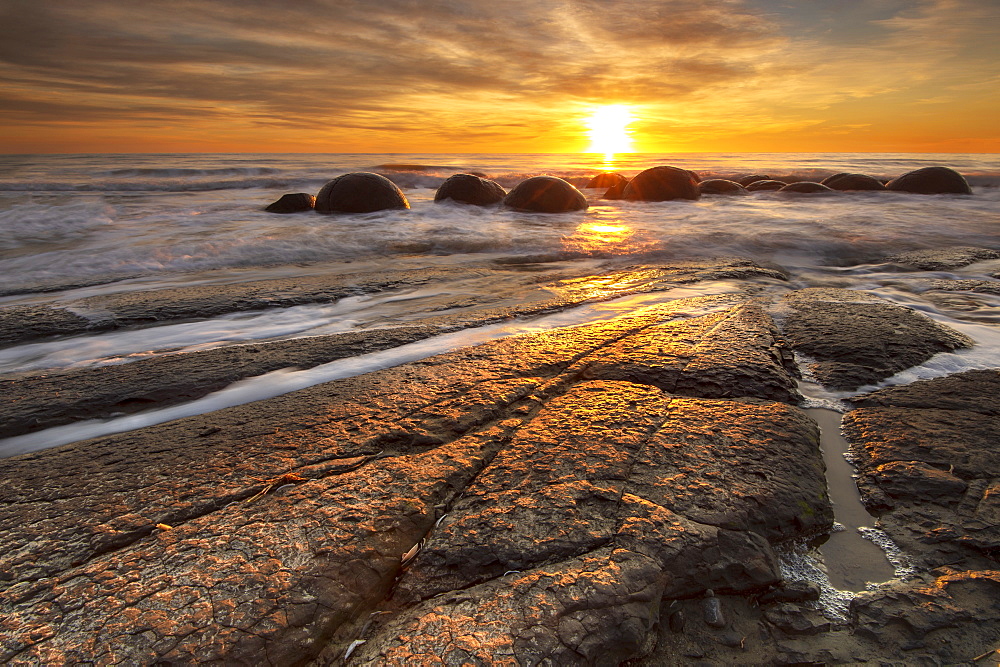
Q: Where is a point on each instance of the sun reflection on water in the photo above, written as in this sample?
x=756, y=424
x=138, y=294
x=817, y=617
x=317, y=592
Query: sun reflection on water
x=605, y=237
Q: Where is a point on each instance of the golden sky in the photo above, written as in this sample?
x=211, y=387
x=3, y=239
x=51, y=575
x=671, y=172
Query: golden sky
x=438, y=76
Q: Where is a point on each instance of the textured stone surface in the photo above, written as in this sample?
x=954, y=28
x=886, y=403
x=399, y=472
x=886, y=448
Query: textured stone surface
x=939, y=259
x=569, y=496
x=931, y=181
x=806, y=187
x=292, y=203
x=854, y=339
x=721, y=186
x=929, y=464
x=662, y=184
x=848, y=181
x=359, y=192
x=470, y=189
x=545, y=194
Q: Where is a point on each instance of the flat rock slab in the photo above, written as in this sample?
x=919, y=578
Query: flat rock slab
x=567, y=497
x=942, y=259
x=929, y=464
x=854, y=339
x=274, y=529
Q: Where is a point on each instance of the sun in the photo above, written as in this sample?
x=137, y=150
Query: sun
x=609, y=132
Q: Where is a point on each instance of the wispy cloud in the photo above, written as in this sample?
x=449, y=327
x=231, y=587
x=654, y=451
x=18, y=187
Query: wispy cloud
x=412, y=75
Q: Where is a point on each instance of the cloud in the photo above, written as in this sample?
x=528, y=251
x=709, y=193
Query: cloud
x=348, y=70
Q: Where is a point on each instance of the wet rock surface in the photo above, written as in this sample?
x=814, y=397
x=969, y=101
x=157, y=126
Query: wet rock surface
x=662, y=184
x=721, y=186
x=930, y=466
x=851, y=182
x=359, y=192
x=292, y=203
x=854, y=339
x=470, y=189
x=594, y=494
x=931, y=181
x=944, y=258
x=545, y=194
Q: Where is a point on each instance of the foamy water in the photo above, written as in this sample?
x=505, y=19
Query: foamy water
x=81, y=219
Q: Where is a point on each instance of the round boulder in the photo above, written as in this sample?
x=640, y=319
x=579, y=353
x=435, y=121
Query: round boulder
x=608, y=179
x=720, y=186
x=359, y=192
x=616, y=191
x=752, y=178
x=931, y=181
x=806, y=187
x=846, y=181
x=292, y=203
x=765, y=185
x=470, y=189
x=662, y=184
x=545, y=194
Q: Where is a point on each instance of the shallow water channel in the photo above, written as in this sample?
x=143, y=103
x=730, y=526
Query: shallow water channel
x=852, y=561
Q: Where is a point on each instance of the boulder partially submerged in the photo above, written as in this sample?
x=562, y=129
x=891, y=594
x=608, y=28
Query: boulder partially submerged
x=662, y=184
x=849, y=182
x=545, y=194
x=360, y=192
x=607, y=179
x=292, y=203
x=721, y=186
x=931, y=181
x=759, y=186
x=470, y=189
x=613, y=491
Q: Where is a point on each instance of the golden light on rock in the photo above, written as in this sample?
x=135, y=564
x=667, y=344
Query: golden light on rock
x=608, y=130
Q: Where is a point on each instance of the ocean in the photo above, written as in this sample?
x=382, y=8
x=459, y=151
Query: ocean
x=82, y=225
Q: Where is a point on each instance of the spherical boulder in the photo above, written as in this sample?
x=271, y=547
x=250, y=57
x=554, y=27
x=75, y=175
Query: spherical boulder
x=292, y=203
x=545, y=194
x=662, y=184
x=931, y=181
x=608, y=179
x=616, y=191
x=720, y=186
x=768, y=184
x=806, y=187
x=752, y=178
x=846, y=181
x=359, y=192
x=470, y=189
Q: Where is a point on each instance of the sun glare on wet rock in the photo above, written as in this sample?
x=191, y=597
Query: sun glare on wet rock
x=608, y=129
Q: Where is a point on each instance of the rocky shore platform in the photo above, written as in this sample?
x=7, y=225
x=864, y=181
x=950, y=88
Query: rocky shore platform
x=618, y=492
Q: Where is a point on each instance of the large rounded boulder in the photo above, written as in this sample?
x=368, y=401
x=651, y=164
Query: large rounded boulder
x=807, y=187
x=931, y=181
x=662, y=184
x=752, y=178
x=545, y=194
x=607, y=179
x=767, y=184
x=721, y=186
x=847, y=182
x=470, y=189
x=359, y=192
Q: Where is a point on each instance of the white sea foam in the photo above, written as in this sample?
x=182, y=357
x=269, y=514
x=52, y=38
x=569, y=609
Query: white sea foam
x=84, y=217
x=282, y=382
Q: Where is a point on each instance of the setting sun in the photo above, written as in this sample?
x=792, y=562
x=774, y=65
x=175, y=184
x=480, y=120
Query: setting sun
x=609, y=130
